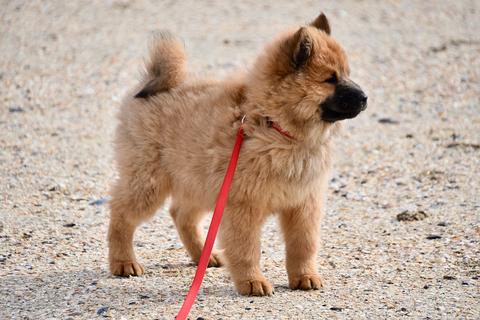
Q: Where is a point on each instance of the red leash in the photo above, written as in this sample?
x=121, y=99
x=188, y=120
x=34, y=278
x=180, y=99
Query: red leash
x=212, y=230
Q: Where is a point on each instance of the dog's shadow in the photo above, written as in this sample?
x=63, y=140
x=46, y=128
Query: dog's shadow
x=85, y=292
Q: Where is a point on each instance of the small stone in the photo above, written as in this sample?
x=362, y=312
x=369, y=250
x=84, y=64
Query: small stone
x=336, y=308
x=69, y=225
x=200, y=318
x=412, y=216
x=440, y=48
x=144, y=296
x=248, y=308
x=426, y=286
x=102, y=311
x=26, y=235
x=75, y=314
x=465, y=283
x=98, y=202
x=449, y=277
x=434, y=237
x=463, y=145
x=15, y=109
x=442, y=224
x=387, y=121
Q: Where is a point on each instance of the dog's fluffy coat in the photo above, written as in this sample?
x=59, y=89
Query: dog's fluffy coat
x=176, y=135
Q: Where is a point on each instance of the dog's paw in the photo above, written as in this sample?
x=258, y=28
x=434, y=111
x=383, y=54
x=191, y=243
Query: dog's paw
x=306, y=282
x=215, y=260
x=255, y=287
x=126, y=268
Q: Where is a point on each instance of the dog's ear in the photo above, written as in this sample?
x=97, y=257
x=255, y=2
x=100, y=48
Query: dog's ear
x=151, y=88
x=301, y=47
x=321, y=23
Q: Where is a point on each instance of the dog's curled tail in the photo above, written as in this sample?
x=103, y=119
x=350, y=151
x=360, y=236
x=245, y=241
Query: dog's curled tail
x=165, y=68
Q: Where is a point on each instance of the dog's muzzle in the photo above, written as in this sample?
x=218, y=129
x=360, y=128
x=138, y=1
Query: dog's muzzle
x=347, y=102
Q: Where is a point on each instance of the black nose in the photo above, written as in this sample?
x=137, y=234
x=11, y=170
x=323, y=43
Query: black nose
x=364, y=98
x=363, y=101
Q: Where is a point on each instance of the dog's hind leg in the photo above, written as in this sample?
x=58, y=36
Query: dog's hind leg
x=133, y=201
x=188, y=219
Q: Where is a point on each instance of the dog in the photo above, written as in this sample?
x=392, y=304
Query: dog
x=176, y=133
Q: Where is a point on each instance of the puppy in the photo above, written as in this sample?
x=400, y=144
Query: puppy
x=176, y=134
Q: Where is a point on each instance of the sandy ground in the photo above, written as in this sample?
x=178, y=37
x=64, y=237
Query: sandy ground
x=64, y=66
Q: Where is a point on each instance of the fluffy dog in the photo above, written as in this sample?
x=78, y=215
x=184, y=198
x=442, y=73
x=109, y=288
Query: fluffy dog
x=176, y=134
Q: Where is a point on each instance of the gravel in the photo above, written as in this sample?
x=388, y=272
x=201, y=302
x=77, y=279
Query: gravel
x=63, y=70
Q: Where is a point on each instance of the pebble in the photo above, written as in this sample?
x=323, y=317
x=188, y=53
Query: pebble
x=102, y=311
x=98, y=202
x=474, y=146
x=387, y=121
x=16, y=109
x=69, y=225
x=412, y=216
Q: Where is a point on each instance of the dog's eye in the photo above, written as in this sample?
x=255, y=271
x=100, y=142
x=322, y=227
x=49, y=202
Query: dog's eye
x=333, y=79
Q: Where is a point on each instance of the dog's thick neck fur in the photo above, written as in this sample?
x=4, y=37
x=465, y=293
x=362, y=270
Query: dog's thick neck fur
x=255, y=106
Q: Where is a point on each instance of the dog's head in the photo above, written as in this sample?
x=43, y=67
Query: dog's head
x=302, y=79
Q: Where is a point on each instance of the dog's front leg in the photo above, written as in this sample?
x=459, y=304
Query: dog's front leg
x=300, y=226
x=240, y=238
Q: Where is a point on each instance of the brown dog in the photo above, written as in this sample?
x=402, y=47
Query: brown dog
x=176, y=135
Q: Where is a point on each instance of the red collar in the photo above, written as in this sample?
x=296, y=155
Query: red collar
x=276, y=126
